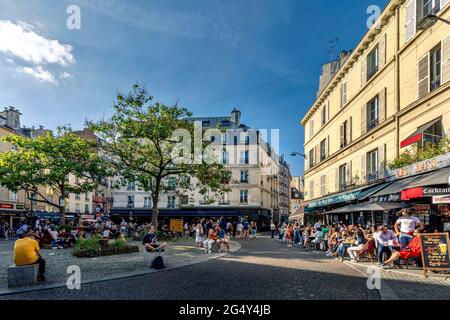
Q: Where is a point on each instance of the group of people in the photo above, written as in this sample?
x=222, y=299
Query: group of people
x=400, y=243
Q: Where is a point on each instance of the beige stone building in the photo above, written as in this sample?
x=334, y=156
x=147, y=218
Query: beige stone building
x=390, y=94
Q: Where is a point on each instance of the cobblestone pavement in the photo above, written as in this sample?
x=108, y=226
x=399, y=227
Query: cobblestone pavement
x=180, y=253
x=262, y=269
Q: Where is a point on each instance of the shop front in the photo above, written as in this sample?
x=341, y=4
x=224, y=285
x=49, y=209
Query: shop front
x=14, y=214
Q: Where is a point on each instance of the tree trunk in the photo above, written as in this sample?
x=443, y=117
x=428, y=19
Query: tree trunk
x=155, y=214
x=62, y=213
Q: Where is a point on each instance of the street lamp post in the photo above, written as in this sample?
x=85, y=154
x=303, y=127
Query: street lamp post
x=429, y=21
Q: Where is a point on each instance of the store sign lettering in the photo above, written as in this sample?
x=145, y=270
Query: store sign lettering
x=387, y=198
x=425, y=166
x=6, y=206
x=441, y=199
x=436, y=191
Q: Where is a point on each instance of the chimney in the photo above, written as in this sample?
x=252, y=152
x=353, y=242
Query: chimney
x=236, y=118
x=12, y=116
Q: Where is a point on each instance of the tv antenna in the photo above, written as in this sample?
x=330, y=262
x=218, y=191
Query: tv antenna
x=332, y=45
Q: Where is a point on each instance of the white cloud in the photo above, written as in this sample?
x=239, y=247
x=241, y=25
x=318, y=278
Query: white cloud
x=39, y=73
x=65, y=75
x=21, y=41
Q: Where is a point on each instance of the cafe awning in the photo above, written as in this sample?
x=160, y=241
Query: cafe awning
x=345, y=197
x=369, y=207
x=393, y=192
x=418, y=134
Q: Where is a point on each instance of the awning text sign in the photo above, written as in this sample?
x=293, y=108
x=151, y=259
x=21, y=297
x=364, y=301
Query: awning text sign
x=441, y=199
x=436, y=191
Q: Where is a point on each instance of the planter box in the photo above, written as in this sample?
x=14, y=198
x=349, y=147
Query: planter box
x=107, y=251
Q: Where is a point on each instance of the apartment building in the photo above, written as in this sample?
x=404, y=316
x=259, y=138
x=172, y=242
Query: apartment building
x=391, y=93
x=259, y=188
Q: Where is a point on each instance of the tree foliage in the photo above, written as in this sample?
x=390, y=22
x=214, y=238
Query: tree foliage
x=138, y=142
x=48, y=161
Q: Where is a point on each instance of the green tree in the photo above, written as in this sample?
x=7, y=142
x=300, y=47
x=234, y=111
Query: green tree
x=138, y=142
x=48, y=161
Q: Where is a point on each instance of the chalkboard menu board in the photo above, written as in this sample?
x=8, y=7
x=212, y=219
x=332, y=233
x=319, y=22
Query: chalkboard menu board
x=435, y=251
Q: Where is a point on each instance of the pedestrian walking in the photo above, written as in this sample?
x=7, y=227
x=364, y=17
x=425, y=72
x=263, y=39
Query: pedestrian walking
x=272, y=229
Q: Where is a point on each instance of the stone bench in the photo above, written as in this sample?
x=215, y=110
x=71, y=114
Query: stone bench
x=21, y=276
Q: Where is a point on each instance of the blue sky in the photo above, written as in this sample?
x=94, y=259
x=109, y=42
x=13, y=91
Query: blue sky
x=200, y=53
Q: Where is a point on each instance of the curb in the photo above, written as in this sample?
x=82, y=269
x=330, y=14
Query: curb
x=117, y=277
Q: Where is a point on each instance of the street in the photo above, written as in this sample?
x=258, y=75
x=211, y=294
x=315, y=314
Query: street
x=263, y=269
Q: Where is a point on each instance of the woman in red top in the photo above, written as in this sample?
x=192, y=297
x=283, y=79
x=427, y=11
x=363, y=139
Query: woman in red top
x=413, y=250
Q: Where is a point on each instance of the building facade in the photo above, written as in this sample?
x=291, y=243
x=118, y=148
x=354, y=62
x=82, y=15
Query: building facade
x=392, y=93
x=259, y=188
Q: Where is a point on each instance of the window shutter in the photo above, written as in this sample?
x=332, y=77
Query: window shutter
x=364, y=119
x=349, y=130
x=382, y=51
x=316, y=155
x=342, y=135
x=349, y=173
x=323, y=186
x=327, y=147
x=336, y=182
x=363, y=169
x=364, y=71
x=328, y=117
x=424, y=76
x=446, y=59
x=410, y=27
x=383, y=99
x=381, y=161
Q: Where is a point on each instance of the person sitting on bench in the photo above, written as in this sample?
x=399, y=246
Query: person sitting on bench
x=27, y=252
x=411, y=251
x=222, y=239
x=151, y=243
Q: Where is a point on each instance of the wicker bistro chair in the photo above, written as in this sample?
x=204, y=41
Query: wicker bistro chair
x=368, y=251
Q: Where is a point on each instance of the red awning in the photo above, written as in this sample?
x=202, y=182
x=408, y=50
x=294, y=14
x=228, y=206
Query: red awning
x=412, y=193
x=411, y=140
x=418, y=134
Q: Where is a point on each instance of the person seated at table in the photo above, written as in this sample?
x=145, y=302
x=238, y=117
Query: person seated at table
x=359, y=244
x=318, y=238
x=386, y=240
x=412, y=251
x=66, y=239
x=222, y=240
x=27, y=252
x=150, y=242
x=345, y=242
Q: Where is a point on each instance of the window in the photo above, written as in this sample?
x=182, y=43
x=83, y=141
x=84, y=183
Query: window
x=86, y=208
x=131, y=186
x=344, y=134
x=147, y=202
x=206, y=124
x=244, y=157
x=130, y=202
x=244, y=197
x=77, y=208
x=435, y=68
x=225, y=123
x=372, y=63
x=225, y=157
x=224, y=138
x=433, y=135
x=373, y=113
x=172, y=183
x=427, y=7
x=311, y=128
x=372, y=164
x=86, y=197
x=77, y=196
x=171, y=202
x=184, y=201
x=244, y=176
x=13, y=196
x=225, y=199
x=343, y=177
x=311, y=158
x=323, y=149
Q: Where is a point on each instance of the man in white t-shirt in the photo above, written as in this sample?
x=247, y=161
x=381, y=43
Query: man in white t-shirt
x=407, y=225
